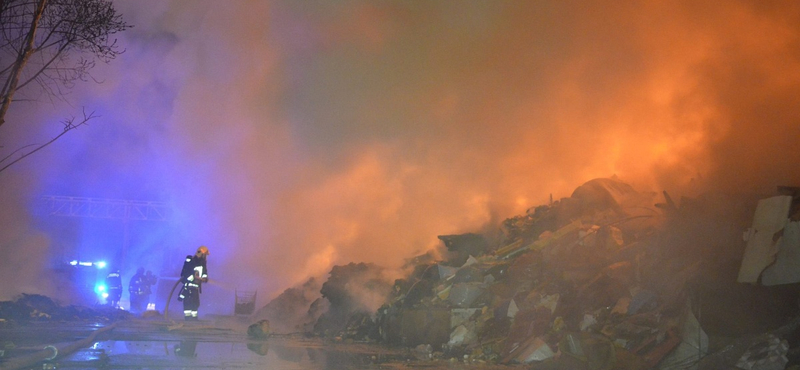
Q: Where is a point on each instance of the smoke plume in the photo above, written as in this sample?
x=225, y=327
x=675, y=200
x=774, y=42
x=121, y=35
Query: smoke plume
x=293, y=136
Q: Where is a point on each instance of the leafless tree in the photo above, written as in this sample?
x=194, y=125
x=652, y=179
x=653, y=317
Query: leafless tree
x=46, y=46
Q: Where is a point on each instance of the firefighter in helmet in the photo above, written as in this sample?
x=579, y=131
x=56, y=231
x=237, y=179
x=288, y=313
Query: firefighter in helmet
x=193, y=275
x=114, y=285
x=140, y=289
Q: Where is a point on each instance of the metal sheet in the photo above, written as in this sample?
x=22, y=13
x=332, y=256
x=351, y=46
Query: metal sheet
x=771, y=215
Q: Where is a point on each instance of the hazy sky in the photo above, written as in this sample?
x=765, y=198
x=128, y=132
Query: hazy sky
x=290, y=136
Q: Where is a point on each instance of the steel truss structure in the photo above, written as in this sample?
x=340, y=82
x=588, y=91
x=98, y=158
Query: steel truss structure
x=125, y=210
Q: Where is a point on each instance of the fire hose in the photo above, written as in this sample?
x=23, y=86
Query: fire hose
x=169, y=299
x=51, y=352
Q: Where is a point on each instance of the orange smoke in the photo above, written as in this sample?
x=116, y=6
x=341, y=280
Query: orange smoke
x=425, y=120
x=333, y=132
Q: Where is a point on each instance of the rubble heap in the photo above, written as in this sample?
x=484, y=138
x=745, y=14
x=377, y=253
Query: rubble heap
x=295, y=310
x=347, y=290
x=607, y=278
x=35, y=307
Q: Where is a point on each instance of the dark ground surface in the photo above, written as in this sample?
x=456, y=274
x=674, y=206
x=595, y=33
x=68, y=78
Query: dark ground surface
x=733, y=314
x=690, y=260
x=156, y=343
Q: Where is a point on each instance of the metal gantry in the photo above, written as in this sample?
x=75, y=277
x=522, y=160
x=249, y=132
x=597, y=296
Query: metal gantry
x=114, y=209
x=106, y=208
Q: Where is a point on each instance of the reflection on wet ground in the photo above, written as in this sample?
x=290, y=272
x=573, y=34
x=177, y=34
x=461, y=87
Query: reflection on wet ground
x=190, y=354
x=164, y=344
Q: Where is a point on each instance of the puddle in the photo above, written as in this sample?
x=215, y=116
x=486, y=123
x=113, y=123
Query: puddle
x=190, y=354
x=209, y=344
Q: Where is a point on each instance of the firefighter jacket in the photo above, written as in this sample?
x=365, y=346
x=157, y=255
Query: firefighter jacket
x=194, y=271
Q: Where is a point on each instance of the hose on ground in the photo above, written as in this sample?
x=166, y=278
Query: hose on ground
x=52, y=351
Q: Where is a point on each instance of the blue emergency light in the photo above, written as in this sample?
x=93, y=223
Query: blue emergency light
x=98, y=264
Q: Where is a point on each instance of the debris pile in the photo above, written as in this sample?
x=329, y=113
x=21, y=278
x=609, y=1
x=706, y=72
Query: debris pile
x=294, y=310
x=607, y=278
x=349, y=290
x=35, y=307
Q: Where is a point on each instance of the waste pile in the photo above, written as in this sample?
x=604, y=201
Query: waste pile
x=347, y=289
x=36, y=307
x=296, y=309
x=608, y=278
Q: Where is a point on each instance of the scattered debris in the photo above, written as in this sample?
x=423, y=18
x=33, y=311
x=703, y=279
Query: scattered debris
x=765, y=355
x=35, y=307
x=259, y=330
x=604, y=279
x=600, y=280
x=294, y=310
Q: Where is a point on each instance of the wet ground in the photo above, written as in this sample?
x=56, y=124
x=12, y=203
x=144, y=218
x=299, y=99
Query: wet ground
x=207, y=352
x=218, y=343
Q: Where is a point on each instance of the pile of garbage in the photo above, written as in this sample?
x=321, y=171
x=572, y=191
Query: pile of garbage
x=36, y=307
x=607, y=278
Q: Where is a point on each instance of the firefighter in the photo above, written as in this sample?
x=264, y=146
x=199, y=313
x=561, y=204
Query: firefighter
x=140, y=289
x=151, y=280
x=193, y=275
x=114, y=284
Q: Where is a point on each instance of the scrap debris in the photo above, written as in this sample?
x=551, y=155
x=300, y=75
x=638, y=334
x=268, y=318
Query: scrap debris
x=36, y=307
x=609, y=278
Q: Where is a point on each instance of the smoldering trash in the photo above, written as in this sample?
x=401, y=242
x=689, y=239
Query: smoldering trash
x=608, y=278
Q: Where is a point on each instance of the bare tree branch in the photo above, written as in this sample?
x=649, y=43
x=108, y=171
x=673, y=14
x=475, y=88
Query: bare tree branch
x=42, y=70
x=11, y=85
x=14, y=152
x=53, y=30
x=46, y=46
x=69, y=125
